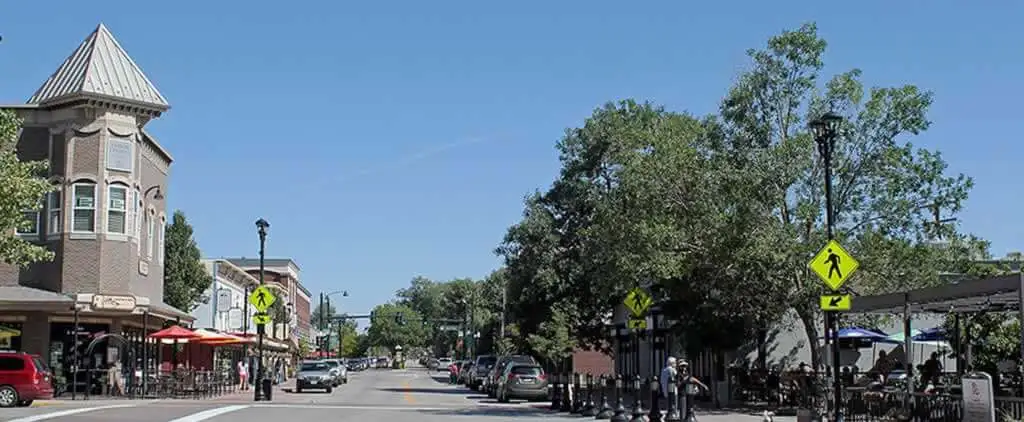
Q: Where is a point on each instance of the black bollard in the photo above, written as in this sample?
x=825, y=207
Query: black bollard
x=590, y=408
x=620, y=409
x=638, y=400
x=577, y=394
x=672, y=415
x=556, y=392
x=655, y=414
x=606, y=410
x=566, y=404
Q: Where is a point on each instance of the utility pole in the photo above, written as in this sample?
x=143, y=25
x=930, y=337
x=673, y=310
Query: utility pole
x=320, y=326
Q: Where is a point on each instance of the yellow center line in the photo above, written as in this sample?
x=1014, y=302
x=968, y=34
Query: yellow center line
x=407, y=394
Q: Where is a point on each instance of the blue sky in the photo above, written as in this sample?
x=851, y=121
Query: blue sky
x=384, y=140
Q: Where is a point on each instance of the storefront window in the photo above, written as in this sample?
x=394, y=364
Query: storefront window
x=10, y=336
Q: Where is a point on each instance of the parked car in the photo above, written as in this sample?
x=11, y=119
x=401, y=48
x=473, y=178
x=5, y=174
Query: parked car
x=24, y=378
x=465, y=368
x=491, y=382
x=481, y=367
x=338, y=371
x=522, y=381
x=314, y=374
x=443, y=364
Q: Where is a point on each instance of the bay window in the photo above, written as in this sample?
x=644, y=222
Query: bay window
x=84, y=208
x=30, y=223
x=54, y=224
x=117, y=209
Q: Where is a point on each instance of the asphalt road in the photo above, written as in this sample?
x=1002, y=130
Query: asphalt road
x=412, y=395
x=391, y=395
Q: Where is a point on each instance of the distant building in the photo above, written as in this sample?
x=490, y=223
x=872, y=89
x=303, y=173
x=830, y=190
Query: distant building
x=282, y=274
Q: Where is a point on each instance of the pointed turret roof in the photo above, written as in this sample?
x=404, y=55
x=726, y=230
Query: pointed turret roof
x=100, y=69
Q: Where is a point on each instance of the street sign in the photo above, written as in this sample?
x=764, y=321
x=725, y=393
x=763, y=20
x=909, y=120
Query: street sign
x=637, y=323
x=261, y=298
x=836, y=302
x=637, y=301
x=833, y=265
x=261, y=318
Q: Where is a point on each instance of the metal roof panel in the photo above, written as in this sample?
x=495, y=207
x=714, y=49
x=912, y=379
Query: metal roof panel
x=100, y=67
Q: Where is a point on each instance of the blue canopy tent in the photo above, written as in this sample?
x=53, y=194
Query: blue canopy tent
x=865, y=334
x=932, y=334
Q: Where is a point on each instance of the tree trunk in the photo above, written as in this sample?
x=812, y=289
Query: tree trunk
x=807, y=317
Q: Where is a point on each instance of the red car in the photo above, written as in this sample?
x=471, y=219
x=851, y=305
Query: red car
x=24, y=378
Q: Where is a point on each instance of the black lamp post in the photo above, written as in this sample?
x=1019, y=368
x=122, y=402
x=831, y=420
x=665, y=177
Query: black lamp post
x=825, y=129
x=261, y=227
x=330, y=318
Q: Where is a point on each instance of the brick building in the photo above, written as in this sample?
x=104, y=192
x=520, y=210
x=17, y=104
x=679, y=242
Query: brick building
x=282, y=275
x=104, y=221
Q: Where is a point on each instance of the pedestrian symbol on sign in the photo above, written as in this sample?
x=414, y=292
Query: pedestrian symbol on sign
x=833, y=260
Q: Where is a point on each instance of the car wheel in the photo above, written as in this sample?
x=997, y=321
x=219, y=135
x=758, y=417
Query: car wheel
x=330, y=390
x=25, y=403
x=8, y=396
x=298, y=389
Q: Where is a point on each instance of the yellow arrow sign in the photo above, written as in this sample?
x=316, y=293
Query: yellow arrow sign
x=262, y=319
x=637, y=323
x=637, y=301
x=261, y=298
x=833, y=265
x=836, y=302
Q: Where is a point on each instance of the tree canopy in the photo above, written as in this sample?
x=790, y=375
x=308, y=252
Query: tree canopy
x=718, y=215
x=185, y=277
x=22, y=188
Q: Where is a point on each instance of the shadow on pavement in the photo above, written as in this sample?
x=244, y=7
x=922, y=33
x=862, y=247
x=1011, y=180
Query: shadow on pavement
x=500, y=411
x=423, y=390
x=292, y=391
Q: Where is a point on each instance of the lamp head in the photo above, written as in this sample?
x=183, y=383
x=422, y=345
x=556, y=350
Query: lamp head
x=262, y=226
x=826, y=124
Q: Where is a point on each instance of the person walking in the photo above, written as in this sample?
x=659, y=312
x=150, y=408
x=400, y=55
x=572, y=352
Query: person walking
x=243, y=375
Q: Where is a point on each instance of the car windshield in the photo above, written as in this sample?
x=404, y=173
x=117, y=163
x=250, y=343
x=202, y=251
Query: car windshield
x=487, y=360
x=331, y=363
x=531, y=371
x=314, y=366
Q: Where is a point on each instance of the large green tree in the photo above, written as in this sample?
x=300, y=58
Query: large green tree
x=327, y=311
x=185, y=277
x=883, y=185
x=22, y=188
x=388, y=330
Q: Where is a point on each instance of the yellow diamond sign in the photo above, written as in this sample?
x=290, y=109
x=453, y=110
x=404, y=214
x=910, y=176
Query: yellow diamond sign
x=261, y=298
x=833, y=265
x=637, y=301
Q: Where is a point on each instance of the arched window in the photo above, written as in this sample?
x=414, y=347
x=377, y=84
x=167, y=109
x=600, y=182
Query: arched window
x=150, y=231
x=84, y=208
x=137, y=211
x=117, y=209
x=160, y=239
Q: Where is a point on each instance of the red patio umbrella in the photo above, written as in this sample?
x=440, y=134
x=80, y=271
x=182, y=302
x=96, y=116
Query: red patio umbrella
x=175, y=332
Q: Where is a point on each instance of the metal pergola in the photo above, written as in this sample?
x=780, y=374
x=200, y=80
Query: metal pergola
x=986, y=295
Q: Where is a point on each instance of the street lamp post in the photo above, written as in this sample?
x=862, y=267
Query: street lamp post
x=825, y=129
x=325, y=329
x=261, y=227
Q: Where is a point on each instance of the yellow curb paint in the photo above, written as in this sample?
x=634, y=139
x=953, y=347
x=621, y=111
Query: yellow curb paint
x=408, y=394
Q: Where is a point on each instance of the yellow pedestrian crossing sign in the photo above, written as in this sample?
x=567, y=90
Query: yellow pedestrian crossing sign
x=262, y=318
x=637, y=323
x=833, y=265
x=637, y=301
x=261, y=298
x=836, y=303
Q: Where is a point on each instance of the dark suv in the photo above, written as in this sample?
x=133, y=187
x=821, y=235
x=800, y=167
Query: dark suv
x=481, y=368
x=24, y=378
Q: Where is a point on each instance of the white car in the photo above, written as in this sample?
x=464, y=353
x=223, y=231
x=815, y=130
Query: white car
x=443, y=364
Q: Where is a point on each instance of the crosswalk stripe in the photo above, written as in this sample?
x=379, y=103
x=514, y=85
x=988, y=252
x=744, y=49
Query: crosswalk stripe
x=210, y=413
x=68, y=412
